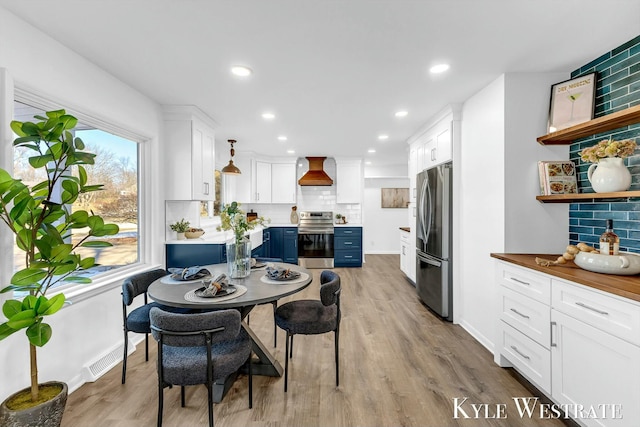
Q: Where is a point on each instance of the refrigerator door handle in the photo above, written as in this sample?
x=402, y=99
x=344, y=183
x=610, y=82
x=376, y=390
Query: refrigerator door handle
x=429, y=215
x=429, y=261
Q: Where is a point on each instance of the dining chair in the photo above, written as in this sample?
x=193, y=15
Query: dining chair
x=199, y=348
x=312, y=317
x=138, y=319
x=274, y=303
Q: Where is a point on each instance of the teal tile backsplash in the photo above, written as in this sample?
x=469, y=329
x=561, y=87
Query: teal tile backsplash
x=617, y=88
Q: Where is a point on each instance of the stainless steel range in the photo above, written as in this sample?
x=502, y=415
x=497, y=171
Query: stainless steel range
x=315, y=240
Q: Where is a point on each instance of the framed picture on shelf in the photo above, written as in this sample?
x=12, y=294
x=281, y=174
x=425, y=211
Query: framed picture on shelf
x=572, y=102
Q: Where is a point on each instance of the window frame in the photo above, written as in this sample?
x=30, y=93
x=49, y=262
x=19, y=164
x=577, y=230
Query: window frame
x=112, y=278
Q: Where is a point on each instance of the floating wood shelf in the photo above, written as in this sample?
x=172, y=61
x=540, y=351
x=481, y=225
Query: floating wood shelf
x=611, y=121
x=586, y=197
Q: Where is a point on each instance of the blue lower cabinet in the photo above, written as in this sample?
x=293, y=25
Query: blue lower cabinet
x=347, y=247
x=290, y=249
x=185, y=255
x=283, y=243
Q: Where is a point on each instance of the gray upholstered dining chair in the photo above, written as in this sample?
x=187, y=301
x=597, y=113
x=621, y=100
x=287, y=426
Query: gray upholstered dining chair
x=138, y=319
x=311, y=317
x=199, y=348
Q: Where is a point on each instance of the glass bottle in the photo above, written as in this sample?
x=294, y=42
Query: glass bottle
x=609, y=241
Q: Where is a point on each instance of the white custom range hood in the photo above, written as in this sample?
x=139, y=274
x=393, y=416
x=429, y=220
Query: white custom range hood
x=316, y=175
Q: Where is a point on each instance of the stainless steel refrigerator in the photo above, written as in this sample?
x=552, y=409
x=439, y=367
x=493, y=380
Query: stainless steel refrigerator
x=434, y=239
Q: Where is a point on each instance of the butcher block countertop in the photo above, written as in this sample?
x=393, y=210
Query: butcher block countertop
x=624, y=286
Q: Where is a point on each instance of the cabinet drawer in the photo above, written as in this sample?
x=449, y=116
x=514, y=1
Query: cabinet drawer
x=525, y=281
x=527, y=356
x=348, y=258
x=602, y=311
x=347, y=243
x=291, y=231
x=528, y=316
x=347, y=232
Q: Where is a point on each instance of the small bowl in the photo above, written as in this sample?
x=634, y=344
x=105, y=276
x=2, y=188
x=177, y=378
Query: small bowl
x=626, y=263
x=193, y=234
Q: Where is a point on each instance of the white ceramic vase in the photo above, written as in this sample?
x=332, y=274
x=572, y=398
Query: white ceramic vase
x=608, y=175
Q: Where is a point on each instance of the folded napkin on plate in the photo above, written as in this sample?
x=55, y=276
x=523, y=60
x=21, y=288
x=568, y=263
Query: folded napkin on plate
x=215, y=285
x=189, y=273
x=274, y=273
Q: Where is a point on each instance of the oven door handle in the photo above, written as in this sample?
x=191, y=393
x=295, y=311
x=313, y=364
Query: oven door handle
x=305, y=232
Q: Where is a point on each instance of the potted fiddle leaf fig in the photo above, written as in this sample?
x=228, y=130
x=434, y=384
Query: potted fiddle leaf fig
x=42, y=220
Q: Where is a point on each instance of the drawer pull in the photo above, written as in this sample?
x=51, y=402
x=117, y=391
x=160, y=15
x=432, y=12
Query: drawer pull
x=514, y=348
x=592, y=309
x=348, y=243
x=348, y=256
x=519, y=314
x=520, y=281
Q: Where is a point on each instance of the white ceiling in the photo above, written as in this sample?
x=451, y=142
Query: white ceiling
x=333, y=72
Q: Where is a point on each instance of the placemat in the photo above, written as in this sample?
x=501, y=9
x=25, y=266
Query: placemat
x=192, y=297
x=303, y=277
x=167, y=280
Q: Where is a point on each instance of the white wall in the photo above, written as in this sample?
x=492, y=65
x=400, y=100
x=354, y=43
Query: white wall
x=499, y=182
x=92, y=326
x=381, y=225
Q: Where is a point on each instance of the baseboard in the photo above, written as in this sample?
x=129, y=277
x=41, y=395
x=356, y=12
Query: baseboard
x=487, y=343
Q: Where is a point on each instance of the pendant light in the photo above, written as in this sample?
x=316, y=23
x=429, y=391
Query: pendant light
x=231, y=169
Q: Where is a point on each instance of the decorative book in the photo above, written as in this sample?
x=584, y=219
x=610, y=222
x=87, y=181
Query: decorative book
x=557, y=177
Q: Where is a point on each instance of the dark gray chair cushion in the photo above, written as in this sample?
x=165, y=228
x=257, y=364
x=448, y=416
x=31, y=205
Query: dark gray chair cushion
x=307, y=317
x=138, y=319
x=185, y=356
x=188, y=365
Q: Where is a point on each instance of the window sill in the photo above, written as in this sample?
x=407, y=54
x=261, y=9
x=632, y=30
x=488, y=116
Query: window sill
x=102, y=284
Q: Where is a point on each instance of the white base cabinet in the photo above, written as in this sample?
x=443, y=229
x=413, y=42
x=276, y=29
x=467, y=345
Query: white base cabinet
x=578, y=345
x=594, y=371
x=407, y=255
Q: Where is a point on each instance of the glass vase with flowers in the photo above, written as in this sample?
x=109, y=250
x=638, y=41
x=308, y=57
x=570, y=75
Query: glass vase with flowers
x=608, y=172
x=239, y=249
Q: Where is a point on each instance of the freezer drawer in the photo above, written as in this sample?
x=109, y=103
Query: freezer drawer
x=433, y=283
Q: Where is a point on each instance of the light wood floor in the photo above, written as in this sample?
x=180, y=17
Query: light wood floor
x=400, y=366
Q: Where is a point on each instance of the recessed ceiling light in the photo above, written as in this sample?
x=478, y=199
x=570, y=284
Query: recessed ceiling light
x=372, y=150
x=367, y=163
x=268, y=116
x=241, y=70
x=439, y=68
x=401, y=113
x=291, y=151
x=383, y=137
x=282, y=138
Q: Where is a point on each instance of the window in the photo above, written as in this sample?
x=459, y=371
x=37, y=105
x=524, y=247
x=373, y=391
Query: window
x=116, y=168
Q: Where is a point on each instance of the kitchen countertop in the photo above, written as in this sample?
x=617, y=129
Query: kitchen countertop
x=407, y=229
x=624, y=286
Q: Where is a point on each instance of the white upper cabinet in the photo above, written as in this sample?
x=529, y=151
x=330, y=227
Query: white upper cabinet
x=348, y=181
x=283, y=183
x=238, y=187
x=261, y=182
x=431, y=146
x=189, y=154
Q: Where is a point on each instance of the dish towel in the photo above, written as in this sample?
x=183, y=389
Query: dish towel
x=189, y=273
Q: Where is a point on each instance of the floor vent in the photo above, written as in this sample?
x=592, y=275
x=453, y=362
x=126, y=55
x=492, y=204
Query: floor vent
x=98, y=368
